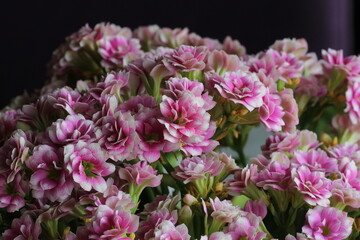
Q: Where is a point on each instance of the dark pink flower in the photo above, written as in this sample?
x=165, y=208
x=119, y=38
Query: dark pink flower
x=86, y=162
x=7, y=124
x=12, y=194
x=276, y=175
x=315, y=160
x=327, y=223
x=290, y=108
x=23, y=228
x=242, y=178
x=271, y=112
x=256, y=207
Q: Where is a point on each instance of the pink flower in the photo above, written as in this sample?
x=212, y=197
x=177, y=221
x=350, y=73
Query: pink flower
x=327, y=223
x=108, y=223
x=240, y=87
x=217, y=236
x=231, y=46
x=12, y=194
x=256, y=207
x=241, y=180
x=148, y=227
x=87, y=165
x=271, y=112
x=352, y=101
x=186, y=59
x=311, y=86
x=140, y=174
x=313, y=185
x=224, y=211
x=336, y=58
x=298, y=47
x=343, y=192
x=7, y=123
x=117, y=136
x=276, y=65
x=70, y=130
x=187, y=124
x=118, y=51
x=222, y=62
x=22, y=228
x=167, y=230
x=276, y=176
x=191, y=169
x=245, y=226
x=50, y=178
x=290, y=108
x=280, y=142
x=315, y=160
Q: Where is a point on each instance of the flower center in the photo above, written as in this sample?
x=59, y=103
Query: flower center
x=88, y=169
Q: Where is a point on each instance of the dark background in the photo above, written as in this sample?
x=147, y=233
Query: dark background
x=31, y=30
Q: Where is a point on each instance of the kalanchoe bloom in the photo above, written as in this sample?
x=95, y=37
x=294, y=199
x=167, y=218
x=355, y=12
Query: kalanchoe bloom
x=313, y=185
x=224, y=211
x=191, y=169
x=222, y=62
x=186, y=59
x=278, y=65
x=333, y=58
x=87, y=165
x=352, y=101
x=256, y=207
x=298, y=47
x=187, y=124
x=275, y=176
x=245, y=226
x=140, y=174
x=50, y=178
x=280, y=142
x=117, y=136
x=327, y=223
x=12, y=194
x=290, y=107
x=299, y=236
x=240, y=87
x=7, y=124
x=315, y=160
x=71, y=101
x=118, y=51
x=342, y=192
x=242, y=178
x=231, y=46
x=271, y=112
x=217, y=236
x=177, y=87
x=70, y=130
x=148, y=227
x=108, y=223
x=167, y=230
x=22, y=228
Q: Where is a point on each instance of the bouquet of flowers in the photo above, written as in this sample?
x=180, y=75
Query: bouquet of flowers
x=140, y=135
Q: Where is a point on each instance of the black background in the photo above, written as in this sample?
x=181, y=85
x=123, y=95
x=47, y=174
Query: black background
x=31, y=30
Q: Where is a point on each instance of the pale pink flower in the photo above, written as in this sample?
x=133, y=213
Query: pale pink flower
x=352, y=101
x=315, y=160
x=118, y=51
x=232, y=46
x=336, y=58
x=217, y=236
x=245, y=226
x=147, y=228
x=186, y=59
x=311, y=86
x=70, y=130
x=187, y=124
x=308, y=140
x=276, y=65
x=256, y=207
x=327, y=223
x=117, y=136
x=167, y=230
x=343, y=192
x=313, y=185
x=50, y=178
x=280, y=142
x=276, y=175
x=22, y=228
x=242, y=178
x=191, y=169
x=224, y=211
x=86, y=162
x=290, y=108
x=140, y=174
x=298, y=47
x=299, y=236
x=172, y=38
x=240, y=87
x=108, y=223
x=222, y=62
x=271, y=112
x=177, y=86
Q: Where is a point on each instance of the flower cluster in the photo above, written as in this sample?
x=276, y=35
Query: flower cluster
x=128, y=140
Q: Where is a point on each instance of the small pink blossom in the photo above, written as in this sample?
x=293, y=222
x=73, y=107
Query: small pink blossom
x=222, y=62
x=343, y=192
x=280, y=142
x=140, y=174
x=245, y=226
x=12, y=194
x=7, y=123
x=186, y=59
x=313, y=185
x=276, y=175
x=242, y=178
x=352, y=101
x=315, y=160
x=22, y=228
x=167, y=230
x=240, y=87
x=298, y=47
x=118, y=51
x=191, y=169
x=224, y=211
x=87, y=165
x=290, y=108
x=327, y=223
x=256, y=207
x=50, y=178
x=271, y=112
x=232, y=46
x=336, y=58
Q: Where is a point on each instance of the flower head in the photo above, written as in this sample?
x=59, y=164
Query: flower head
x=245, y=226
x=315, y=160
x=140, y=174
x=23, y=228
x=167, y=230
